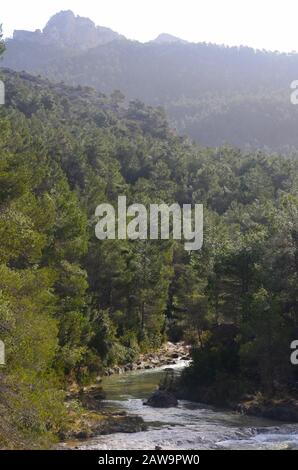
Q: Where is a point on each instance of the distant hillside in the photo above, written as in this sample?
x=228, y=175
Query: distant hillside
x=214, y=94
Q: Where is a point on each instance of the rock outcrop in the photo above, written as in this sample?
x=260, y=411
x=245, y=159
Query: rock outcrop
x=67, y=30
x=165, y=38
x=168, y=355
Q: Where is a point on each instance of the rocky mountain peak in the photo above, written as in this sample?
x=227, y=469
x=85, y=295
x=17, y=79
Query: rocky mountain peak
x=167, y=38
x=67, y=30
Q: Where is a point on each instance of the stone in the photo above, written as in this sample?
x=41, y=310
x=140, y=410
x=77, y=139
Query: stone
x=162, y=399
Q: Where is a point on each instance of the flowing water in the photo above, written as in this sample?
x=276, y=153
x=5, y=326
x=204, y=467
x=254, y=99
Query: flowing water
x=191, y=426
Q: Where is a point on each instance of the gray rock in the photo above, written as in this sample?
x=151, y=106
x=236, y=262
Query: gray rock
x=162, y=399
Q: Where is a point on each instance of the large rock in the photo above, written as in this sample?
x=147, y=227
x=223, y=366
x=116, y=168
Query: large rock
x=67, y=30
x=162, y=399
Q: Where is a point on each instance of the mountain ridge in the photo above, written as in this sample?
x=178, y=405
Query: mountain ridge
x=67, y=30
x=213, y=94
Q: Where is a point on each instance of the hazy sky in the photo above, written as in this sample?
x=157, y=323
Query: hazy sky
x=269, y=24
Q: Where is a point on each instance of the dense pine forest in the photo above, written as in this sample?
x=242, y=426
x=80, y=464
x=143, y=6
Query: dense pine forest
x=71, y=306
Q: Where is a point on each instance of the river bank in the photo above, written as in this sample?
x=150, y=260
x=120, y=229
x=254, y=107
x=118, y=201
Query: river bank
x=87, y=415
x=189, y=426
x=278, y=409
x=114, y=407
x=281, y=407
x=168, y=355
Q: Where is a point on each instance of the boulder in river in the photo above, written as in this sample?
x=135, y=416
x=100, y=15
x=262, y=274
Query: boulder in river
x=162, y=399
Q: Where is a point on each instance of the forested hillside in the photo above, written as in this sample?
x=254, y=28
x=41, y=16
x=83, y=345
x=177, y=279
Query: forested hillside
x=70, y=305
x=214, y=94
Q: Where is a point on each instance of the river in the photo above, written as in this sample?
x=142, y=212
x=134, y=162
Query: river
x=191, y=426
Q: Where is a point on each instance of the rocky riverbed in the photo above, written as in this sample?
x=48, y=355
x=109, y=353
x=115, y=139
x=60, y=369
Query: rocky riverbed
x=87, y=415
x=114, y=406
x=167, y=355
x=186, y=426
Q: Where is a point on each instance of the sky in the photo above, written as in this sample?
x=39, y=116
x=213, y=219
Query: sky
x=262, y=24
